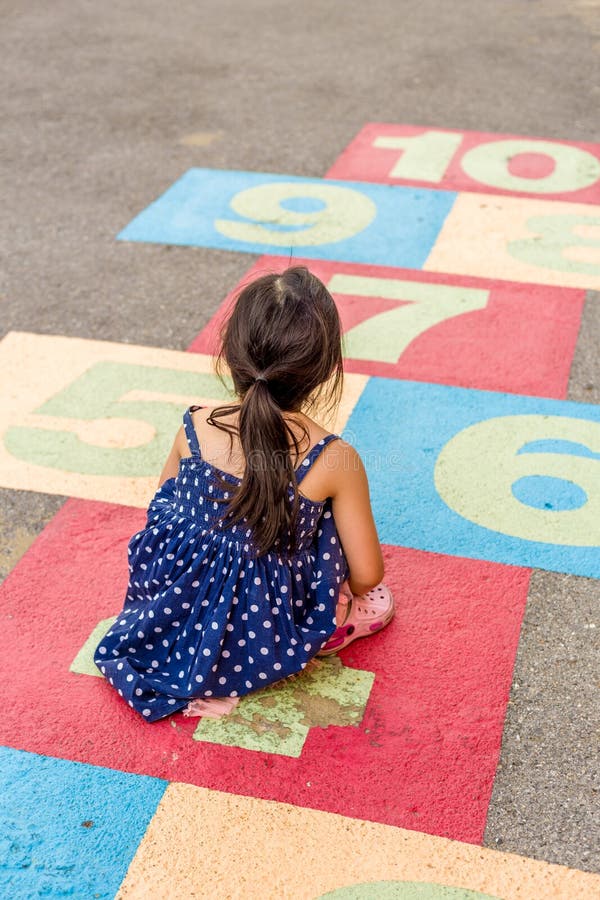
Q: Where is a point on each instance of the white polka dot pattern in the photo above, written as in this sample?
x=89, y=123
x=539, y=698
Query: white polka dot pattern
x=230, y=622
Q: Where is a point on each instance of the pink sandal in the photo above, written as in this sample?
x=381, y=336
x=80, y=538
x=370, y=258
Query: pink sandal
x=367, y=614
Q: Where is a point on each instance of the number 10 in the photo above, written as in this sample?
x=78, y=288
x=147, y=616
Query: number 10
x=427, y=156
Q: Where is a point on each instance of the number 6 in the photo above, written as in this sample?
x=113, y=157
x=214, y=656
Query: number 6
x=477, y=470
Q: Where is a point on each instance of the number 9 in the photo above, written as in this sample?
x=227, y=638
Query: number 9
x=346, y=212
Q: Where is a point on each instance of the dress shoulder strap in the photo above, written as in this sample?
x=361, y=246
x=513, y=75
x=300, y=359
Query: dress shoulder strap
x=312, y=454
x=190, y=431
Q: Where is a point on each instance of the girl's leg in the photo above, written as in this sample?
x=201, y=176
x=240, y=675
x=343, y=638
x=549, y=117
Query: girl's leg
x=211, y=707
x=343, y=604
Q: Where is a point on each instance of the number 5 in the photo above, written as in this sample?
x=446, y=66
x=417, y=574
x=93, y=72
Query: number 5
x=100, y=396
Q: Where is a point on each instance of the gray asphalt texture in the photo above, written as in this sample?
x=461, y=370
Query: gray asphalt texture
x=546, y=799
x=96, y=100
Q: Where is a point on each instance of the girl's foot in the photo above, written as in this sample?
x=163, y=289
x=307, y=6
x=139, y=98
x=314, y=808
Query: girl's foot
x=365, y=615
x=211, y=707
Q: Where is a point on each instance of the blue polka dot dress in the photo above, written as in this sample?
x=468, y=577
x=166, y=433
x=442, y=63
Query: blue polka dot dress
x=203, y=615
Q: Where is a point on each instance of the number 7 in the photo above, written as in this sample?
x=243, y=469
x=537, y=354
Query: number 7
x=385, y=336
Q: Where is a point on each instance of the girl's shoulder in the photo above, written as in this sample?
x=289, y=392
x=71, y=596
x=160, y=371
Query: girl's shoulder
x=335, y=449
x=331, y=459
x=329, y=462
x=215, y=445
x=218, y=439
x=315, y=430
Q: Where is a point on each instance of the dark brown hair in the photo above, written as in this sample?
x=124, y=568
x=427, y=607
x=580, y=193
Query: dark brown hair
x=285, y=328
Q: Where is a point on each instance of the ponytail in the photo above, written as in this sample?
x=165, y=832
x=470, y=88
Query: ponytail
x=282, y=344
x=263, y=496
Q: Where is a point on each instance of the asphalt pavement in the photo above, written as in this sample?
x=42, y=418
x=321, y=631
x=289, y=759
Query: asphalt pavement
x=105, y=106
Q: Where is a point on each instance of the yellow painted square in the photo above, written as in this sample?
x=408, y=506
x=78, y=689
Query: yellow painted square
x=517, y=239
x=95, y=420
x=203, y=843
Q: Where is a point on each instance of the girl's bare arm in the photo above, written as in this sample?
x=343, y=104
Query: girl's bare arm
x=351, y=506
x=171, y=466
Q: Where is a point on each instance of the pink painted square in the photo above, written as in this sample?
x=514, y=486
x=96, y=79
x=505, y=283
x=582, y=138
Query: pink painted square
x=423, y=757
x=472, y=161
x=447, y=329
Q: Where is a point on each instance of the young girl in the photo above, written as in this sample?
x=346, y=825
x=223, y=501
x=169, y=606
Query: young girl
x=260, y=550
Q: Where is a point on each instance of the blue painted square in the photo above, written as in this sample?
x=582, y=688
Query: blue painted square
x=400, y=428
x=45, y=848
x=316, y=218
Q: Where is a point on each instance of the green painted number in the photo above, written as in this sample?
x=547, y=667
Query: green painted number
x=425, y=157
x=99, y=396
x=384, y=337
x=574, y=169
x=553, y=237
x=345, y=212
x=476, y=470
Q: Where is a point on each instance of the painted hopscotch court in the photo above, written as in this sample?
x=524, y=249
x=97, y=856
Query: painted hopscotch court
x=452, y=258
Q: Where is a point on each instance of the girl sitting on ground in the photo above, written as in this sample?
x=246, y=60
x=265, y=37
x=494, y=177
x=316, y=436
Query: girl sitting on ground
x=260, y=550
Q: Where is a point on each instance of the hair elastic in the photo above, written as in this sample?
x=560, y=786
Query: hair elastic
x=261, y=378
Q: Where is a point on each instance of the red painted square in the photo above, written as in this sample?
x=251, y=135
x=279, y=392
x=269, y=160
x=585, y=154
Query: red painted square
x=424, y=756
x=448, y=167
x=521, y=342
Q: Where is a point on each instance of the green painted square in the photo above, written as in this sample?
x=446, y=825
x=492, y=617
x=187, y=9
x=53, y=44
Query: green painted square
x=84, y=663
x=278, y=718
